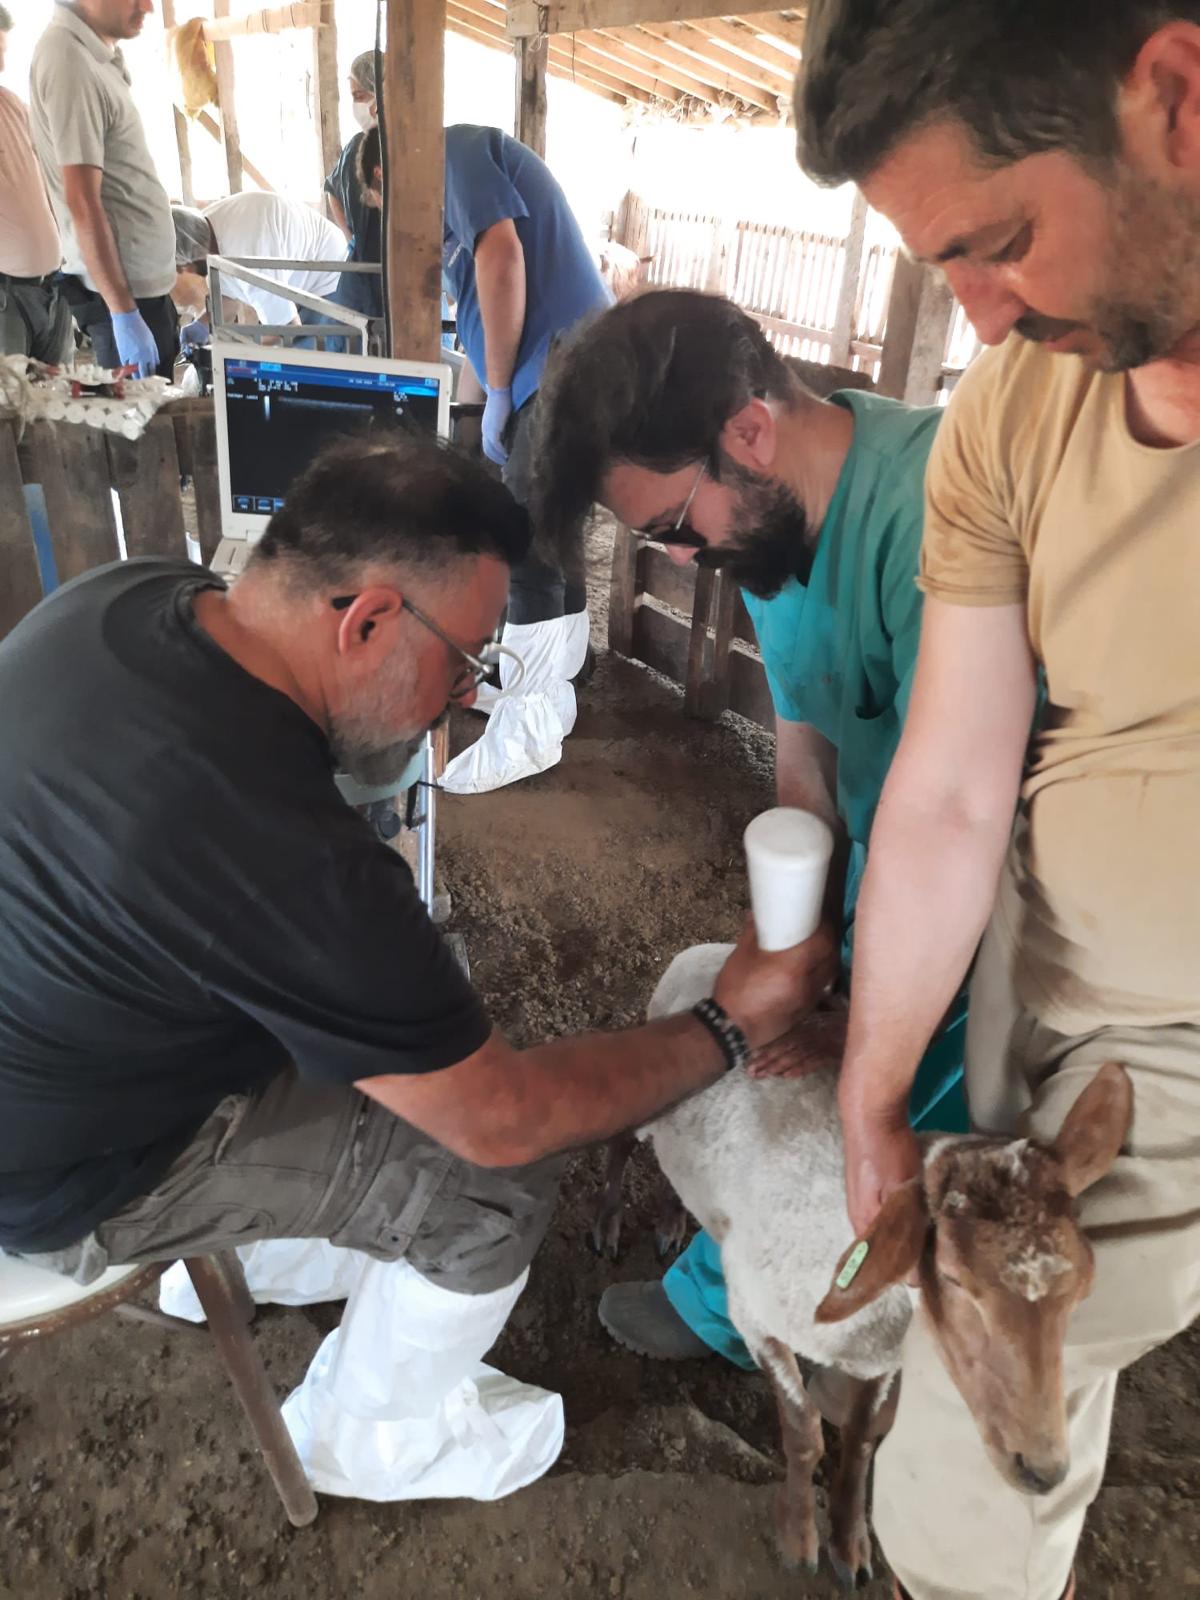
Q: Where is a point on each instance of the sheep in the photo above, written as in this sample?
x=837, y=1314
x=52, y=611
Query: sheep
x=759, y=1163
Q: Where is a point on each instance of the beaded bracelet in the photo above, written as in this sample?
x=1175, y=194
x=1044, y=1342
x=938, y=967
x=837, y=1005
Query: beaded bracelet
x=735, y=1046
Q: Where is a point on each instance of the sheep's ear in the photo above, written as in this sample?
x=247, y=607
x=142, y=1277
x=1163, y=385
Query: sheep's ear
x=893, y=1247
x=1090, y=1140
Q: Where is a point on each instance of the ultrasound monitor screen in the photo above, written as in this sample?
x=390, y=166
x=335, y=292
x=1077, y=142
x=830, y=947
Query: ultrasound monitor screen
x=279, y=415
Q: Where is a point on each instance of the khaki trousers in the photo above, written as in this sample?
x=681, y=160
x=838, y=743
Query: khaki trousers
x=950, y=1526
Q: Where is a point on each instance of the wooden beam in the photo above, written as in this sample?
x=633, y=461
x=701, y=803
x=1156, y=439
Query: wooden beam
x=776, y=27
x=20, y=582
x=617, y=65
x=468, y=20
x=529, y=120
x=414, y=72
x=717, y=59
x=843, y=319
x=746, y=39
x=182, y=144
x=669, y=58
x=210, y=126
x=306, y=14
x=227, y=104
x=569, y=16
x=653, y=61
x=325, y=84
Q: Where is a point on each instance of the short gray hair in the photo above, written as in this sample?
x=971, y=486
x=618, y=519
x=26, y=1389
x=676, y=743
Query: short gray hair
x=1020, y=76
x=6, y=21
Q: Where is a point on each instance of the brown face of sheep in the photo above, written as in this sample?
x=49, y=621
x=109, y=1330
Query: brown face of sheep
x=990, y=1227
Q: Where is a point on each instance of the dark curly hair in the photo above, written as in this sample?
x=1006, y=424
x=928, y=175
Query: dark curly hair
x=652, y=381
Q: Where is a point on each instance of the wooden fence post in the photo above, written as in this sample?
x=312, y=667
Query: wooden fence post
x=529, y=122
x=181, y=122
x=843, y=322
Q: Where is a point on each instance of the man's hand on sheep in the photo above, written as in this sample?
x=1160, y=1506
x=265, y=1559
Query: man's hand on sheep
x=766, y=992
x=881, y=1155
x=814, y=1044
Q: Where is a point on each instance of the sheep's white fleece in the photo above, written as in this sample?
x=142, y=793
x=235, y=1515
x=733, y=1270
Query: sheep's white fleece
x=759, y=1164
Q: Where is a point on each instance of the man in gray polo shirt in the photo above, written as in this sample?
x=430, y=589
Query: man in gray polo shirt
x=113, y=213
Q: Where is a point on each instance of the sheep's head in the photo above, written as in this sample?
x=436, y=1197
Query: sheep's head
x=990, y=1227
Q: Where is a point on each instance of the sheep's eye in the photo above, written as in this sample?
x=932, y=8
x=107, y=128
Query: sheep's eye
x=947, y=1278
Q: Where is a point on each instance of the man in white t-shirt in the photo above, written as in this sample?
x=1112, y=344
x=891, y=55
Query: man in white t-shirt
x=259, y=224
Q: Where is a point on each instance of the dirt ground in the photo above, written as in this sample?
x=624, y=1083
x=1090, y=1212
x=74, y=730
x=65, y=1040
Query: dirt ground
x=126, y=1470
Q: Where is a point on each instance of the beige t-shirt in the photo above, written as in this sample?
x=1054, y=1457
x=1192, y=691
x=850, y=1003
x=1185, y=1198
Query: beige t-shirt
x=1038, y=493
x=29, y=246
x=83, y=115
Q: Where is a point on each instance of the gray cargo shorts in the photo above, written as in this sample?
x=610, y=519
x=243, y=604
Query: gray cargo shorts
x=298, y=1160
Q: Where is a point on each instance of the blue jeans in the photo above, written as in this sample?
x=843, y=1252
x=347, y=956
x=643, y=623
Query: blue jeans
x=695, y=1284
x=334, y=344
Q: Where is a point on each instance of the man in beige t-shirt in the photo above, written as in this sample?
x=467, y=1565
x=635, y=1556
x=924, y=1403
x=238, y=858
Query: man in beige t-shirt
x=115, y=219
x=34, y=319
x=1048, y=159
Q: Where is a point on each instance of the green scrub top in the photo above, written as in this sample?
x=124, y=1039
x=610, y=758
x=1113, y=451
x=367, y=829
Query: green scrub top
x=841, y=649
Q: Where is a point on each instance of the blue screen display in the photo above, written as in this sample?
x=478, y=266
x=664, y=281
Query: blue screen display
x=280, y=415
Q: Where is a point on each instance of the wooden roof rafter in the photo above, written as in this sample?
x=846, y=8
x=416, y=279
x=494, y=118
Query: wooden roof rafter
x=653, y=52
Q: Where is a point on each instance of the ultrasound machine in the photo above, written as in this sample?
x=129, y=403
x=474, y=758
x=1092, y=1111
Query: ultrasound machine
x=275, y=409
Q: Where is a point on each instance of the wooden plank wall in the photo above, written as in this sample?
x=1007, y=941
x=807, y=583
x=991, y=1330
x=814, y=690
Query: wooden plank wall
x=78, y=468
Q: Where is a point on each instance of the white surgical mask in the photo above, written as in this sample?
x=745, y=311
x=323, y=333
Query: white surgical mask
x=360, y=110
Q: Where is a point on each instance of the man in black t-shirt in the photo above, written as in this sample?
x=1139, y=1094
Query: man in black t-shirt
x=224, y=1014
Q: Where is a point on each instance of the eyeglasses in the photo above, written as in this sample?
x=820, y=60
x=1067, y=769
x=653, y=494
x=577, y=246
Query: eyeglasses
x=676, y=534
x=481, y=669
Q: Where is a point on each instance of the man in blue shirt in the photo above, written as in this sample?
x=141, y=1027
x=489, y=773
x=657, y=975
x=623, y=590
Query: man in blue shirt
x=517, y=266
x=675, y=412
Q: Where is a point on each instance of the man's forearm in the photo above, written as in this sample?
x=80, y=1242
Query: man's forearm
x=500, y=286
x=806, y=777
x=926, y=897
x=98, y=247
x=580, y=1090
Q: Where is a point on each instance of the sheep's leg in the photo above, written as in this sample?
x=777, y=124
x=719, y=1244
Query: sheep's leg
x=606, y=1219
x=868, y=1416
x=803, y=1446
x=671, y=1228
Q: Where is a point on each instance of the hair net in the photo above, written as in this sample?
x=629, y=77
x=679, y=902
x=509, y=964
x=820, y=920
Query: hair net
x=193, y=236
x=362, y=70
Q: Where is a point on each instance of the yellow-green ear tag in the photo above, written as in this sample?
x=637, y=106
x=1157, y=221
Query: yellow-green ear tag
x=853, y=1261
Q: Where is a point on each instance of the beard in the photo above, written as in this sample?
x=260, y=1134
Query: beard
x=364, y=740
x=1150, y=298
x=771, y=542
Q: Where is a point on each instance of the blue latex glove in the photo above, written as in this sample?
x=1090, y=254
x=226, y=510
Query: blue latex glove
x=136, y=345
x=495, y=419
x=193, y=334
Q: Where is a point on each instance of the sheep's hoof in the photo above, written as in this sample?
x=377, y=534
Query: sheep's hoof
x=604, y=1236
x=808, y=1564
x=848, y=1578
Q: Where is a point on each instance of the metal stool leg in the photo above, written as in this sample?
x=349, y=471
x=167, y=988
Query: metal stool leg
x=212, y=1279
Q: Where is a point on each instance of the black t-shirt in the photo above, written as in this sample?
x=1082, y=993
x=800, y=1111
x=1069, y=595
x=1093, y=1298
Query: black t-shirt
x=186, y=903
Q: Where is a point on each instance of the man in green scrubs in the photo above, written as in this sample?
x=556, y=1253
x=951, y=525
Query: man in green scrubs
x=675, y=412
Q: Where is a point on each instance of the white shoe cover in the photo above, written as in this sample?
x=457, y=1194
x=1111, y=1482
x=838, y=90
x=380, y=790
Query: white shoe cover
x=398, y=1405
x=526, y=727
x=283, y=1272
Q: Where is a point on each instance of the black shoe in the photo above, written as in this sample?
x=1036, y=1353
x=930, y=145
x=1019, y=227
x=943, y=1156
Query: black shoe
x=640, y=1317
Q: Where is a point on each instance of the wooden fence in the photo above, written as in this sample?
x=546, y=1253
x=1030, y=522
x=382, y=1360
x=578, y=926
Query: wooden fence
x=819, y=297
x=78, y=468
